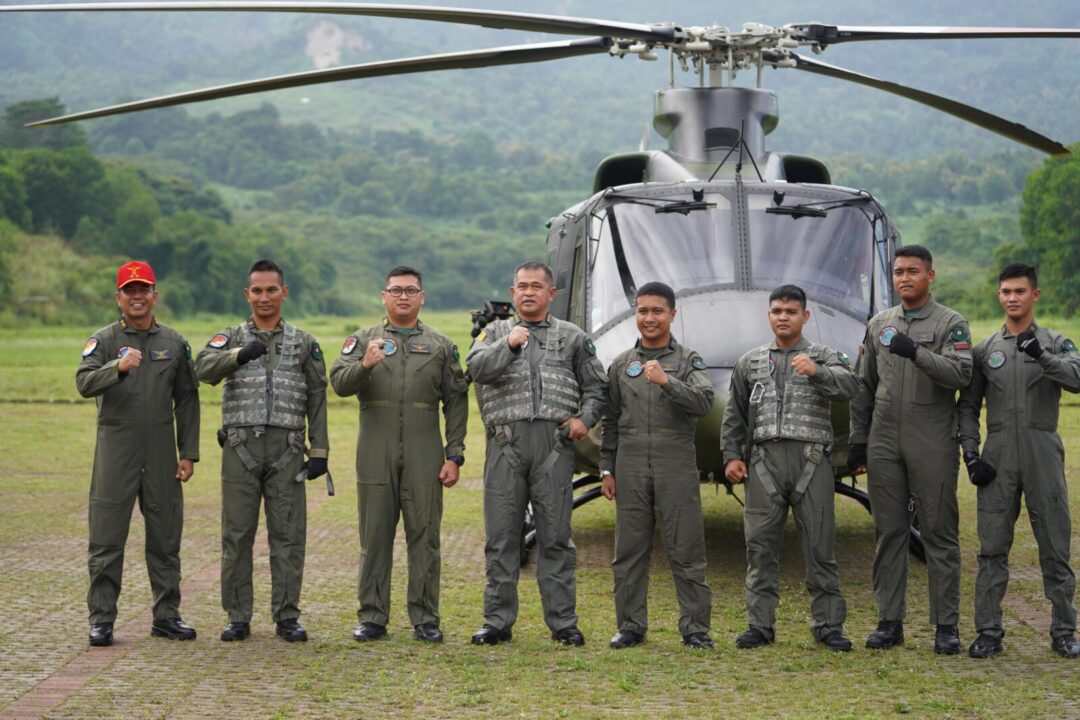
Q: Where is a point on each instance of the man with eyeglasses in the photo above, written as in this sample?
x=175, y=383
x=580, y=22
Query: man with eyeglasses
x=274, y=385
x=540, y=387
x=141, y=374
x=401, y=370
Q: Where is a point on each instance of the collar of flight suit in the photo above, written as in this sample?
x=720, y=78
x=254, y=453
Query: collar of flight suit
x=801, y=345
x=672, y=346
x=390, y=327
x=154, y=327
x=922, y=313
x=518, y=320
x=280, y=327
x=1005, y=329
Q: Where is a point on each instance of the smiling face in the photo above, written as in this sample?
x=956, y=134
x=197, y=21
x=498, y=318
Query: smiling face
x=136, y=301
x=265, y=293
x=654, y=319
x=1018, y=299
x=402, y=299
x=911, y=279
x=787, y=317
x=532, y=294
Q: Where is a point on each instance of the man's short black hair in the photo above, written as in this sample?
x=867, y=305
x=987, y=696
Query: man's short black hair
x=1018, y=270
x=917, y=251
x=536, y=265
x=660, y=290
x=267, y=265
x=405, y=270
x=788, y=292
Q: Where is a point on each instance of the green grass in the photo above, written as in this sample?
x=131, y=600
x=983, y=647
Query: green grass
x=44, y=478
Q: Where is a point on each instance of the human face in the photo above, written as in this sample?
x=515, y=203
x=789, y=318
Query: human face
x=532, y=294
x=787, y=317
x=1018, y=298
x=265, y=293
x=911, y=279
x=136, y=301
x=654, y=319
x=403, y=309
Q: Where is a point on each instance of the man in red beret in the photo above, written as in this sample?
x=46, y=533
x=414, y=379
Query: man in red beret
x=144, y=380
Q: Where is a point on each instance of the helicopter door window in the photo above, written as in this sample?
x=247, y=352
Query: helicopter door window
x=691, y=250
x=829, y=256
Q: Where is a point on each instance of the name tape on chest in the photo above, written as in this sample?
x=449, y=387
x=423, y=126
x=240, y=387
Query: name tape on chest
x=422, y=348
x=163, y=354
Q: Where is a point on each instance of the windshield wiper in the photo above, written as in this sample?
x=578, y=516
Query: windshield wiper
x=797, y=211
x=667, y=206
x=685, y=206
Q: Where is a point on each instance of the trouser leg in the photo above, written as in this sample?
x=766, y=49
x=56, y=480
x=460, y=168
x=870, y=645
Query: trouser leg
x=379, y=504
x=161, y=500
x=241, y=492
x=763, y=527
x=678, y=509
x=815, y=522
x=552, y=497
x=887, y=487
x=932, y=472
x=421, y=508
x=112, y=499
x=505, y=499
x=286, y=528
x=633, y=550
x=998, y=509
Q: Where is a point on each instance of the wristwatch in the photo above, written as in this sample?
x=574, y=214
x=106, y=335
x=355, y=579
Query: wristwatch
x=605, y=473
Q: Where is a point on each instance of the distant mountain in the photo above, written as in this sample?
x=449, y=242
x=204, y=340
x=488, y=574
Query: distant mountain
x=584, y=106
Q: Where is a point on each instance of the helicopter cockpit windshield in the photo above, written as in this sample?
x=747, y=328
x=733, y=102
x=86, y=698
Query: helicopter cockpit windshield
x=692, y=242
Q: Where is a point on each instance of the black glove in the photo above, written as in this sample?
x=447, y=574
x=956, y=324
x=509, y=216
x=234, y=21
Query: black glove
x=980, y=472
x=316, y=467
x=903, y=346
x=1026, y=342
x=249, y=352
x=856, y=456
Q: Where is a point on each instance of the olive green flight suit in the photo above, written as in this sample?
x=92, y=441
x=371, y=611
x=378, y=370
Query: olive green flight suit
x=398, y=457
x=649, y=446
x=1022, y=396
x=785, y=460
x=242, y=488
x=136, y=457
x=906, y=413
x=531, y=476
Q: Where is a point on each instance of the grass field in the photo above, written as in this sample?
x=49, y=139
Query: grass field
x=48, y=669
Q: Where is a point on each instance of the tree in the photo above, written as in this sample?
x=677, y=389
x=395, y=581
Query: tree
x=1050, y=225
x=56, y=137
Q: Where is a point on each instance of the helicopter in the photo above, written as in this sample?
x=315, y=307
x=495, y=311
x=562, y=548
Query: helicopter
x=716, y=215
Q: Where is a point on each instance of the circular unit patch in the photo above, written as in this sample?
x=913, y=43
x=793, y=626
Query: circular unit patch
x=390, y=346
x=219, y=341
x=995, y=360
x=887, y=334
x=634, y=368
x=772, y=366
x=123, y=351
x=90, y=346
x=349, y=346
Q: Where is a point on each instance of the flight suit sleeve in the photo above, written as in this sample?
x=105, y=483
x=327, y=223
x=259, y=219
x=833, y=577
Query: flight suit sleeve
x=736, y=428
x=834, y=377
x=969, y=406
x=1062, y=364
x=489, y=357
x=952, y=366
x=315, y=373
x=694, y=395
x=214, y=364
x=348, y=376
x=455, y=401
x=185, y=393
x=97, y=373
x=592, y=380
x=612, y=411
x=862, y=404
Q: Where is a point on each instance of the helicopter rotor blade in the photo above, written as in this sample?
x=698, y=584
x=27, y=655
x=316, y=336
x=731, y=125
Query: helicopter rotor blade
x=510, y=55
x=822, y=34
x=530, y=22
x=1011, y=130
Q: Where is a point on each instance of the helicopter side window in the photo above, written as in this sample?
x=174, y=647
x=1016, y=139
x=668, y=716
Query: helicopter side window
x=829, y=256
x=685, y=250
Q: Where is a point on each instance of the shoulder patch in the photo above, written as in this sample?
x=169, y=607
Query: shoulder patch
x=1068, y=346
x=590, y=347
x=350, y=345
x=316, y=351
x=92, y=343
x=698, y=362
x=187, y=349
x=219, y=341
x=455, y=353
x=482, y=336
x=959, y=333
x=844, y=359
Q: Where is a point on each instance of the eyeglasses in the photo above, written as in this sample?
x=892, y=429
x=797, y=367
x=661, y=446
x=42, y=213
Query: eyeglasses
x=136, y=288
x=397, y=291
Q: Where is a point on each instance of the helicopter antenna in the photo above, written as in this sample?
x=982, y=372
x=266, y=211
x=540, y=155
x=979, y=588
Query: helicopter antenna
x=741, y=145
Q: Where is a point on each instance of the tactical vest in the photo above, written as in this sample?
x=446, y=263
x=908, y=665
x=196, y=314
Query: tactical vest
x=510, y=398
x=802, y=414
x=275, y=395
